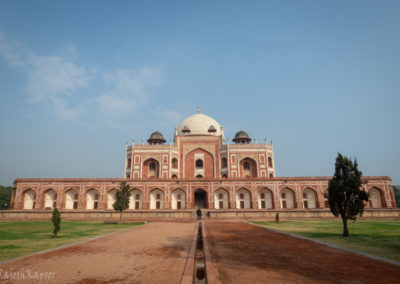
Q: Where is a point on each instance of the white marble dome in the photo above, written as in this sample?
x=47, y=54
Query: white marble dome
x=199, y=124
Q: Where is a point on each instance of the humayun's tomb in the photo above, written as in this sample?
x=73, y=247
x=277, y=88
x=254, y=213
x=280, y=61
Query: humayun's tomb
x=199, y=169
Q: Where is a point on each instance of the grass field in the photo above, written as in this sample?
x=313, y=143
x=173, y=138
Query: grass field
x=377, y=237
x=19, y=238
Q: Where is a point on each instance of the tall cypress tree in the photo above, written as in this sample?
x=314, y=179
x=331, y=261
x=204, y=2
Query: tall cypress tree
x=345, y=196
x=122, y=199
x=56, y=219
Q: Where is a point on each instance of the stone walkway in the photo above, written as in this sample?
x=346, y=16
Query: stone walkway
x=153, y=253
x=243, y=253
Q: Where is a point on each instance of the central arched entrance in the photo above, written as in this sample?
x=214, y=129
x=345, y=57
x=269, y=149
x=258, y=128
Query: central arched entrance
x=200, y=198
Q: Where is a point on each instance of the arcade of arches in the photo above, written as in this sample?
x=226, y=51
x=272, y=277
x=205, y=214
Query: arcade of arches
x=263, y=198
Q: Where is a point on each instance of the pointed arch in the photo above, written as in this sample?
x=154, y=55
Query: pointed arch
x=221, y=199
x=265, y=198
x=287, y=198
x=199, y=162
x=200, y=197
x=248, y=167
x=136, y=199
x=310, y=199
x=243, y=198
x=111, y=198
x=376, y=197
x=151, y=168
x=49, y=199
x=29, y=197
x=157, y=198
x=178, y=199
x=92, y=199
x=71, y=199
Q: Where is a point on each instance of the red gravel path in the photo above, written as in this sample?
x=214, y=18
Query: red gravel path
x=153, y=253
x=244, y=253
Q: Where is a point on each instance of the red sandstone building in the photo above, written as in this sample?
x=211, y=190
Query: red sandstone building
x=200, y=169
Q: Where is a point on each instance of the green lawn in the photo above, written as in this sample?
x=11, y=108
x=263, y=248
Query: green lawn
x=377, y=237
x=19, y=238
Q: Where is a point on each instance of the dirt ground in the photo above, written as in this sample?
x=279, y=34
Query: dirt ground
x=153, y=253
x=243, y=253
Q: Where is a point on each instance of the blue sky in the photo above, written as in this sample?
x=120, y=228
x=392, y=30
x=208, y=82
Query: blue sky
x=80, y=78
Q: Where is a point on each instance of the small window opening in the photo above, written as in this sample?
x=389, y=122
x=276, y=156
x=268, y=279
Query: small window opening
x=199, y=164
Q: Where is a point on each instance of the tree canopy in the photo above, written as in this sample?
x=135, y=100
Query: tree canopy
x=5, y=196
x=345, y=196
x=122, y=199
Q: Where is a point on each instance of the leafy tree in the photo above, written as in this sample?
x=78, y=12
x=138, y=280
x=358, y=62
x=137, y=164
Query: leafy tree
x=5, y=197
x=345, y=196
x=122, y=199
x=56, y=219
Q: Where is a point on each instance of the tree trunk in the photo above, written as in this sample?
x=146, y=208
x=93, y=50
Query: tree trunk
x=120, y=217
x=344, y=215
x=345, y=230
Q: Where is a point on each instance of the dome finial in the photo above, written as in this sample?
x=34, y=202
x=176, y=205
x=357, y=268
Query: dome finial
x=198, y=108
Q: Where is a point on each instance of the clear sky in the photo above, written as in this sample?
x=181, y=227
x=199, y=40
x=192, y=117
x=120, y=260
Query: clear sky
x=80, y=78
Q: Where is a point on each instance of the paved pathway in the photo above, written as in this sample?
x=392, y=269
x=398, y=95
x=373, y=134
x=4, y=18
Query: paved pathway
x=154, y=253
x=243, y=253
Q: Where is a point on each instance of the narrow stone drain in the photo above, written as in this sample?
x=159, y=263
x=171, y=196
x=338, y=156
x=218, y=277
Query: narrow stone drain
x=199, y=263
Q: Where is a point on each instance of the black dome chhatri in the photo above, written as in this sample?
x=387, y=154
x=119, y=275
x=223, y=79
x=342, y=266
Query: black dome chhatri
x=156, y=138
x=241, y=137
x=241, y=134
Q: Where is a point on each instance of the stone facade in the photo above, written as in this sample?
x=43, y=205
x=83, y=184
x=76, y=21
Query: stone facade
x=200, y=169
x=298, y=187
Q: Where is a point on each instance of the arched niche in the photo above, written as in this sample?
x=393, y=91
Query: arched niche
x=50, y=199
x=178, y=200
x=92, y=199
x=243, y=199
x=310, y=200
x=221, y=199
x=111, y=198
x=151, y=168
x=29, y=199
x=375, y=197
x=199, y=162
x=248, y=168
x=265, y=199
x=71, y=199
x=287, y=198
x=157, y=199
x=136, y=199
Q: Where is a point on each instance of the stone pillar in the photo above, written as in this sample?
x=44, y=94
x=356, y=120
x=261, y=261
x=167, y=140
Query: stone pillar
x=12, y=201
x=81, y=197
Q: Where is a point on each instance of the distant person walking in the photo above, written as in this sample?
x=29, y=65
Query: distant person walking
x=198, y=212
